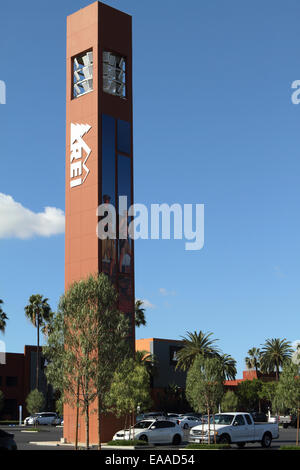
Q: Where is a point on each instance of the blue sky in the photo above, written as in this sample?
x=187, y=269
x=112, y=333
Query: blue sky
x=213, y=124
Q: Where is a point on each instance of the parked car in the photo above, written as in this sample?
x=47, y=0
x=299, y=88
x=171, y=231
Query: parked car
x=187, y=422
x=287, y=420
x=259, y=417
x=196, y=415
x=7, y=441
x=153, y=431
x=238, y=428
x=49, y=418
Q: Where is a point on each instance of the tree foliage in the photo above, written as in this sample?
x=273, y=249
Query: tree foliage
x=3, y=318
x=130, y=389
x=274, y=354
x=140, y=318
x=87, y=342
x=229, y=402
x=195, y=344
x=247, y=393
x=38, y=311
x=253, y=359
x=204, y=384
x=35, y=401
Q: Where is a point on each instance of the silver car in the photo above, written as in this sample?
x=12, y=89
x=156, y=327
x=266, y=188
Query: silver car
x=49, y=418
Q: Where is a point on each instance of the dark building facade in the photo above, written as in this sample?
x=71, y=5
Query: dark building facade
x=18, y=378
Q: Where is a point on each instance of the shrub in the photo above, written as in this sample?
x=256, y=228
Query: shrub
x=208, y=446
x=289, y=448
x=132, y=442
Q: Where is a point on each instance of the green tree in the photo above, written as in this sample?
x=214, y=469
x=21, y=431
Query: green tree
x=130, y=388
x=148, y=360
x=268, y=392
x=288, y=390
x=274, y=353
x=195, y=344
x=204, y=385
x=35, y=402
x=228, y=365
x=253, y=359
x=140, y=318
x=229, y=402
x=247, y=393
x=38, y=311
x=90, y=336
x=3, y=318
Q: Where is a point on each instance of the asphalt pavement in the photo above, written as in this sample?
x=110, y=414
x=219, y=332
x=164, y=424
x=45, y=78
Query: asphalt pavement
x=24, y=436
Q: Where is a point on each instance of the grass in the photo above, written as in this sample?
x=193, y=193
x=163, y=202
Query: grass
x=289, y=448
x=123, y=442
x=208, y=446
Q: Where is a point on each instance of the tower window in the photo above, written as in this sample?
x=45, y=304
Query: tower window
x=82, y=74
x=114, y=78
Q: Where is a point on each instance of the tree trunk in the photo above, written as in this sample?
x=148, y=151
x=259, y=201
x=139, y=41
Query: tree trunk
x=87, y=426
x=208, y=423
x=99, y=423
x=297, y=438
x=77, y=415
x=38, y=353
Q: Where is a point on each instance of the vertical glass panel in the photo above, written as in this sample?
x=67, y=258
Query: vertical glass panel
x=124, y=191
x=108, y=189
x=124, y=137
x=82, y=74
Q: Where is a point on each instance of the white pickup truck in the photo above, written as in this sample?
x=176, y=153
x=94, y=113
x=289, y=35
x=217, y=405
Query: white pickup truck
x=238, y=428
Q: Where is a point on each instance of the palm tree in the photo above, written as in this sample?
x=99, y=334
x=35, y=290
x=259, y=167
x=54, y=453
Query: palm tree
x=195, y=344
x=3, y=318
x=148, y=360
x=139, y=314
x=39, y=313
x=253, y=359
x=274, y=353
x=228, y=366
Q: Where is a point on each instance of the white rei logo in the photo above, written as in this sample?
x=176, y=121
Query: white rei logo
x=78, y=145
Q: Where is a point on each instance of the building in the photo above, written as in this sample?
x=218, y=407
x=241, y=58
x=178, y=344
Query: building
x=99, y=164
x=167, y=381
x=18, y=378
x=166, y=374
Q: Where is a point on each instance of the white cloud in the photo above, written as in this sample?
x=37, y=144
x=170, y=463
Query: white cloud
x=165, y=292
x=17, y=221
x=147, y=304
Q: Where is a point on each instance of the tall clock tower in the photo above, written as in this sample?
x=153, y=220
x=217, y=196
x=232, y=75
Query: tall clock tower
x=99, y=161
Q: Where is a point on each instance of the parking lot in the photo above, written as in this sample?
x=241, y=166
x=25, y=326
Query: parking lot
x=49, y=434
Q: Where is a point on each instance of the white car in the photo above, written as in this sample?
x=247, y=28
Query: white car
x=187, y=422
x=238, y=428
x=43, y=418
x=153, y=432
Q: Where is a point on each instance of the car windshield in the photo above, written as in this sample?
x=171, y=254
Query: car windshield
x=143, y=424
x=222, y=419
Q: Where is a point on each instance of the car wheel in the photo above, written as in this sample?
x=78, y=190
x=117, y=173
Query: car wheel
x=185, y=426
x=241, y=445
x=285, y=426
x=176, y=440
x=224, y=439
x=143, y=438
x=266, y=440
